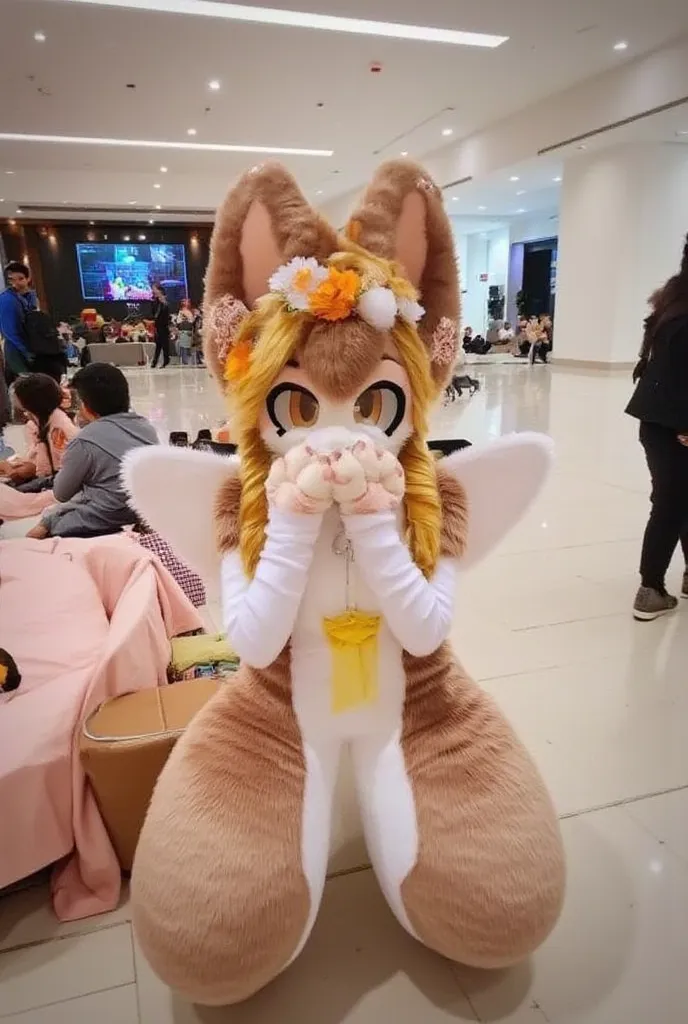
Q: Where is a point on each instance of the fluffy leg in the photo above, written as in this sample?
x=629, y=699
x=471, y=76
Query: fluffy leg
x=461, y=831
x=488, y=882
x=231, y=862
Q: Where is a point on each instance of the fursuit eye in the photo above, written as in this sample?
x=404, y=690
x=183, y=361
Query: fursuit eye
x=290, y=406
x=382, y=405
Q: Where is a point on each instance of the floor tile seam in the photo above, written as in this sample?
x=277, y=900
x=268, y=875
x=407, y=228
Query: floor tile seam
x=622, y=802
x=64, y=938
x=69, y=999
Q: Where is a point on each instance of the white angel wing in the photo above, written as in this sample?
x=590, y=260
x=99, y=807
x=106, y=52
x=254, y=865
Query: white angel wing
x=174, y=490
x=501, y=480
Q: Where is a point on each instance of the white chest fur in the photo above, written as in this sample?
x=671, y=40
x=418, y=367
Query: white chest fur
x=326, y=596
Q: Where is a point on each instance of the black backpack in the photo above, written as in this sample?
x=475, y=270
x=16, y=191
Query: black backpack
x=42, y=338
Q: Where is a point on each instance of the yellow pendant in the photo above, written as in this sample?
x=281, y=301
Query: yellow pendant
x=352, y=637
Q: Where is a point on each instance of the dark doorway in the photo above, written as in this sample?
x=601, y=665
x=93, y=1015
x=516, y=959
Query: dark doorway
x=537, y=280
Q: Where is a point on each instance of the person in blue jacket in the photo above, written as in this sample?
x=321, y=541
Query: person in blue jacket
x=15, y=302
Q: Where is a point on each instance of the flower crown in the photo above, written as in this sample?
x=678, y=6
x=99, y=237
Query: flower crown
x=331, y=294
x=326, y=293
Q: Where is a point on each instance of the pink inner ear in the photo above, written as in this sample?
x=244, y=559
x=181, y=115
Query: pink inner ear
x=412, y=237
x=260, y=254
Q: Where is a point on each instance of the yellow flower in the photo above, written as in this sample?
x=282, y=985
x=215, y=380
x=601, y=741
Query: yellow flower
x=238, y=361
x=336, y=296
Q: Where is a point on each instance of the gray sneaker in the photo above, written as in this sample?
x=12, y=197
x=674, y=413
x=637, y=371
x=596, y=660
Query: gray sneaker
x=650, y=604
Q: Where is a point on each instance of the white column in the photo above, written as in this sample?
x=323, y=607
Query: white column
x=624, y=216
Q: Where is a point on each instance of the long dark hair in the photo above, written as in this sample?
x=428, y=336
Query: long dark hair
x=40, y=395
x=668, y=303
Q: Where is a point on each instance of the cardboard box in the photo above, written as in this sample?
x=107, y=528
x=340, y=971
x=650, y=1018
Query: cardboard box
x=124, y=747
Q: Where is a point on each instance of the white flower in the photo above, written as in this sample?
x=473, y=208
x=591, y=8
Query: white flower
x=297, y=279
x=378, y=307
x=410, y=310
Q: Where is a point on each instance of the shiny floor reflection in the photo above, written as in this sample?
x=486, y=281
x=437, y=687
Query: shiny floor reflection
x=601, y=701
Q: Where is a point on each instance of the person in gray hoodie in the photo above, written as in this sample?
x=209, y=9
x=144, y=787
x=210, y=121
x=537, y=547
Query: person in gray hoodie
x=88, y=488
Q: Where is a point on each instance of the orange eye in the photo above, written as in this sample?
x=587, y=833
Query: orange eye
x=383, y=405
x=303, y=408
x=292, y=407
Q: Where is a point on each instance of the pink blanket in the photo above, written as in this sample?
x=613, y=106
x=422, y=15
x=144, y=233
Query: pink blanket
x=85, y=621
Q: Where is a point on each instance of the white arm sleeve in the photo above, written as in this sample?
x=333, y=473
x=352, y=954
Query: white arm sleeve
x=418, y=611
x=259, y=614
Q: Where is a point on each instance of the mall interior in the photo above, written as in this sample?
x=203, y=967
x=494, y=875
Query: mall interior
x=193, y=827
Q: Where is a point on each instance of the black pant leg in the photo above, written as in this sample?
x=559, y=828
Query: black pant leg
x=668, y=464
x=158, y=352
x=165, y=350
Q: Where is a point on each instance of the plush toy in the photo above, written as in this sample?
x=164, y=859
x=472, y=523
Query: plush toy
x=338, y=541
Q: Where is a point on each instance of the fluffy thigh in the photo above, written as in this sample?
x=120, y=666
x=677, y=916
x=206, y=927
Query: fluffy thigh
x=487, y=884
x=231, y=861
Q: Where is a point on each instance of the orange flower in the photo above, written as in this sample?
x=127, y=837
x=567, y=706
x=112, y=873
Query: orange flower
x=336, y=296
x=238, y=361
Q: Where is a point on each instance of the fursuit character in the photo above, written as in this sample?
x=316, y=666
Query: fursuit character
x=338, y=540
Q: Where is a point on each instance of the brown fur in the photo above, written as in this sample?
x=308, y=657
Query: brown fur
x=340, y=357
x=297, y=231
x=488, y=882
x=455, y=519
x=377, y=221
x=219, y=897
x=226, y=515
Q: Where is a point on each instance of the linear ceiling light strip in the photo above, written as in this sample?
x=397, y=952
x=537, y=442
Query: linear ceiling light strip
x=210, y=147
x=303, y=19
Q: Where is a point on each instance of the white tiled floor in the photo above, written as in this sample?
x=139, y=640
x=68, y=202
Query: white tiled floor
x=601, y=701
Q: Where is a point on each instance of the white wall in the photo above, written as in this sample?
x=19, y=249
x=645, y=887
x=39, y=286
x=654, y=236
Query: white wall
x=624, y=214
x=479, y=253
x=531, y=229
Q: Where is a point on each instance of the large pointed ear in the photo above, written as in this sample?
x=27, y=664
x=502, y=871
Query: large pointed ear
x=264, y=221
x=402, y=218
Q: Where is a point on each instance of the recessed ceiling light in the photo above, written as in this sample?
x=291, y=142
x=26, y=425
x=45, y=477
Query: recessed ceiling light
x=621, y=45
x=521, y=192
x=404, y=152
x=190, y=131
x=521, y=210
x=13, y=222
x=133, y=202
x=682, y=133
x=142, y=238
x=214, y=84
x=558, y=178
x=18, y=210
x=482, y=208
x=91, y=222
x=156, y=185
x=447, y=131
x=455, y=199
x=158, y=207
x=151, y=222
x=125, y=237
x=319, y=192
x=39, y=37
x=207, y=147
x=514, y=177
x=303, y=19
x=2, y=200
x=163, y=170
x=9, y=172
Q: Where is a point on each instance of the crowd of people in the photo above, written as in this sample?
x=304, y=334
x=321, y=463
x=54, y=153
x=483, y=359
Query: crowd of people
x=531, y=339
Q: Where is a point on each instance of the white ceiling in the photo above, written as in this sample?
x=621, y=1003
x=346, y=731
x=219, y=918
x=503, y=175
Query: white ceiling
x=272, y=80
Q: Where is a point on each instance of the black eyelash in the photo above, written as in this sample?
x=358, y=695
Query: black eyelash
x=401, y=402
x=271, y=400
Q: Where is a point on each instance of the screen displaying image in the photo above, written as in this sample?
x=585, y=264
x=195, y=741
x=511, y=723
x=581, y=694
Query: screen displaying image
x=112, y=273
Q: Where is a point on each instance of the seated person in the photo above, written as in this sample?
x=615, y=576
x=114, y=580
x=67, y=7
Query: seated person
x=506, y=333
x=88, y=487
x=467, y=339
x=27, y=490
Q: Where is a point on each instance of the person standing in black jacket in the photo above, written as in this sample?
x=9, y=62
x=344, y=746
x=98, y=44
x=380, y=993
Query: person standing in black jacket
x=161, y=316
x=660, y=402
